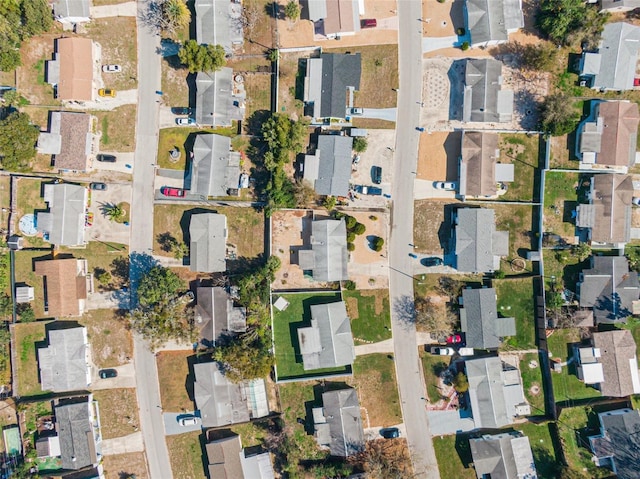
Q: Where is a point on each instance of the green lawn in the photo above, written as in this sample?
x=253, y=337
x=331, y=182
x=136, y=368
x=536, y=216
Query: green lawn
x=532, y=377
x=186, y=455
x=516, y=298
x=560, y=199
x=564, y=266
x=370, y=314
x=98, y=254
x=431, y=368
x=567, y=386
x=24, y=274
x=26, y=336
x=558, y=341
x=183, y=139
x=542, y=446
x=518, y=221
x=454, y=456
x=633, y=325
x=285, y=332
x=523, y=152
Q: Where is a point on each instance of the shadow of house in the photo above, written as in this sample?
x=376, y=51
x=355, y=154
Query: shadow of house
x=456, y=81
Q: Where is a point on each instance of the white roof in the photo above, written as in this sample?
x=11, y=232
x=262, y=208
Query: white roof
x=592, y=373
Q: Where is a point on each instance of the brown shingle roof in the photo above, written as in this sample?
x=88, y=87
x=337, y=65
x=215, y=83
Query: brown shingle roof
x=612, y=203
x=75, y=144
x=76, y=68
x=65, y=287
x=616, y=348
x=224, y=458
x=339, y=16
x=479, y=163
x=619, y=135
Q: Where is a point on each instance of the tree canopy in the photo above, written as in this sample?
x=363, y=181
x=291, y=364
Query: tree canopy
x=558, y=115
x=19, y=20
x=571, y=22
x=292, y=10
x=173, y=15
x=360, y=144
x=159, y=286
x=201, y=58
x=18, y=139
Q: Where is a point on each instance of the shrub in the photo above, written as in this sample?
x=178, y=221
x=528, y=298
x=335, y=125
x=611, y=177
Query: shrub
x=460, y=31
x=349, y=285
x=378, y=243
x=465, y=46
x=359, y=229
x=351, y=236
x=26, y=313
x=360, y=144
x=351, y=222
x=499, y=274
x=351, y=247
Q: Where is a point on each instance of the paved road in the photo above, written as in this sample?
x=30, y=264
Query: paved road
x=410, y=381
x=142, y=241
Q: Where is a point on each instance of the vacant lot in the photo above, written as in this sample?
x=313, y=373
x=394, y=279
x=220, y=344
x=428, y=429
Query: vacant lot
x=175, y=90
x=560, y=201
x=173, y=372
x=125, y=465
x=186, y=454
x=258, y=88
x=291, y=83
x=523, y=152
x=117, y=128
x=431, y=225
x=111, y=342
x=26, y=336
x=369, y=313
x=118, y=412
x=516, y=298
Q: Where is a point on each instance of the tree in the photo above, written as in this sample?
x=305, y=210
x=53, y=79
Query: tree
x=541, y=56
x=113, y=212
x=244, y=361
x=273, y=55
x=174, y=15
x=567, y=473
x=581, y=250
x=437, y=318
x=378, y=243
x=360, y=144
x=350, y=222
x=6, y=305
x=558, y=115
x=570, y=22
x=201, y=58
x=460, y=383
x=17, y=141
x=253, y=287
x=449, y=286
x=292, y=10
x=349, y=285
x=159, y=286
x=359, y=229
x=180, y=250
x=385, y=459
x=329, y=202
x=102, y=275
x=304, y=194
x=36, y=17
x=26, y=313
x=161, y=322
x=351, y=246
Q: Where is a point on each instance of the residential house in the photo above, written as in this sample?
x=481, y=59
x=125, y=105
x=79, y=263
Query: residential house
x=327, y=258
x=64, y=223
x=329, y=168
x=607, y=139
x=70, y=12
x=68, y=140
x=215, y=168
x=328, y=342
x=613, y=66
x=610, y=363
x=478, y=246
x=495, y=393
x=503, y=456
x=66, y=284
x=484, y=99
x=489, y=22
x=227, y=459
x=64, y=363
x=479, y=169
x=617, y=447
x=216, y=316
x=607, y=216
x=219, y=22
x=71, y=70
x=610, y=289
x=335, y=18
x=480, y=322
x=222, y=402
x=326, y=83
x=208, y=243
x=338, y=423
x=614, y=6
x=78, y=428
x=256, y=466
x=220, y=98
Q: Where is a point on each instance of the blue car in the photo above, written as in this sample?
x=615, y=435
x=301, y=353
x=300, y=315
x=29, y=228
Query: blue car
x=413, y=255
x=431, y=262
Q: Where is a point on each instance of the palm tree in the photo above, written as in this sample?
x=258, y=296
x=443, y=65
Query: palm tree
x=114, y=212
x=175, y=15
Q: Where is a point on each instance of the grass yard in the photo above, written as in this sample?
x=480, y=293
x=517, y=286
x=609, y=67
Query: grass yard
x=633, y=325
x=29, y=201
x=258, y=88
x=567, y=386
x=187, y=455
x=183, y=138
x=285, y=332
x=111, y=342
x=558, y=341
x=560, y=156
x=519, y=221
x=24, y=274
x=118, y=412
x=532, y=383
x=379, y=75
x=542, y=445
x=432, y=366
x=32, y=411
x=30, y=75
x=251, y=434
x=98, y=254
x=5, y=190
x=454, y=456
x=523, y=152
x=516, y=298
x=369, y=313
x=26, y=337
x=291, y=82
x=173, y=369
x=119, y=48
x=565, y=266
x=125, y=465
x=428, y=284
x=560, y=200
x=117, y=128
x=245, y=225
x=175, y=91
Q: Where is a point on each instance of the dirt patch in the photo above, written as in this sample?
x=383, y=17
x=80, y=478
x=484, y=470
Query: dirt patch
x=175, y=91
x=428, y=222
x=125, y=465
x=111, y=343
x=441, y=19
x=118, y=412
x=438, y=156
x=352, y=307
x=173, y=370
x=534, y=389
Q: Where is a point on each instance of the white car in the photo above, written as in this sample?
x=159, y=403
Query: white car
x=111, y=68
x=189, y=421
x=185, y=121
x=635, y=200
x=445, y=185
x=443, y=351
x=357, y=111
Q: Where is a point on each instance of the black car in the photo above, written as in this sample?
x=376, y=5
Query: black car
x=107, y=373
x=98, y=186
x=376, y=174
x=431, y=262
x=180, y=110
x=106, y=158
x=390, y=432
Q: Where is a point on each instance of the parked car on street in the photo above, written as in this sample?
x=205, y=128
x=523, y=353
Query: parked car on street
x=107, y=373
x=168, y=191
x=106, y=158
x=390, y=432
x=376, y=174
x=431, y=262
x=185, y=121
x=111, y=68
x=98, y=186
x=445, y=185
x=189, y=421
x=107, y=92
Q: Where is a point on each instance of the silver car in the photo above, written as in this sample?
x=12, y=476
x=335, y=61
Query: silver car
x=111, y=68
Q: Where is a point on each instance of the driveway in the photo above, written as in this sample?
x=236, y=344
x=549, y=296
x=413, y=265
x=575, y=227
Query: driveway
x=372, y=433
x=123, y=445
x=126, y=378
x=385, y=346
x=449, y=422
x=123, y=163
x=108, y=300
x=103, y=229
x=430, y=44
x=127, y=9
x=123, y=97
x=172, y=427
x=389, y=114
x=425, y=189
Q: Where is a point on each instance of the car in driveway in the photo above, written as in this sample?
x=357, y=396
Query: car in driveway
x=106, y=158
x=390, y=432
x=98, y=186
x=445, y=185
x=357, y=111
x=438, y=351
x=107, y=92
x=107, y=373
x=189, y=421
x=111, y=68
x=180, y=110
x=434, y=261
x=175, y=192
x=185, y=121
x=376, y=174
x=454, y=339
x=635, y=200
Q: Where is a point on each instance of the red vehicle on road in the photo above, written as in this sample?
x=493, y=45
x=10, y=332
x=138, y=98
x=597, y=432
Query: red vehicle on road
x=168, y=191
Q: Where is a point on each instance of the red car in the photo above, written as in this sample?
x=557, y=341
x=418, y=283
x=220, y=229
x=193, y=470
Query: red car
x=454, y=339
x=168, y=191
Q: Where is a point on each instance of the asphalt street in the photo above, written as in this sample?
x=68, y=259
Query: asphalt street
x=410, y=380
x=141, y=241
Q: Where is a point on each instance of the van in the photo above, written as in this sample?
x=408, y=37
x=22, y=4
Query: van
x=369, y=23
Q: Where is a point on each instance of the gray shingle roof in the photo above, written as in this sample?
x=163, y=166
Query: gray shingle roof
x=63, y=363
x=333, y=171
x=340, y=423
x=619, y=362
x=65, y=220
x=478, y=164
x=216, y=168
x=479, y=319
x=77, y=438
x=484, y=99
x=219, y=401
x=256, y=466
x=478, y=245
x=328, y=256
x=223, y=457
x=620, y=5
x=609, y=288
x=208, y=246
x=618, y=56
x=69, y=9
x=490, y=21
x=328, y=342
x=218, y=22
x=503, y=456
x=217, y=101
x=619, y=440
x=216, y=316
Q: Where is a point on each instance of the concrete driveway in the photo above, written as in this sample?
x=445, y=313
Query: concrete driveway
x=430, y=44
x=126, y=378
x=172, y=427
x=389, y=114
x=123, y=445
x=449, y=422
x=127, y=9
x=103, y=229
x=425, y=189
x=123, y=97
x=372, y=433
x=120, y=165
x=109, y=300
